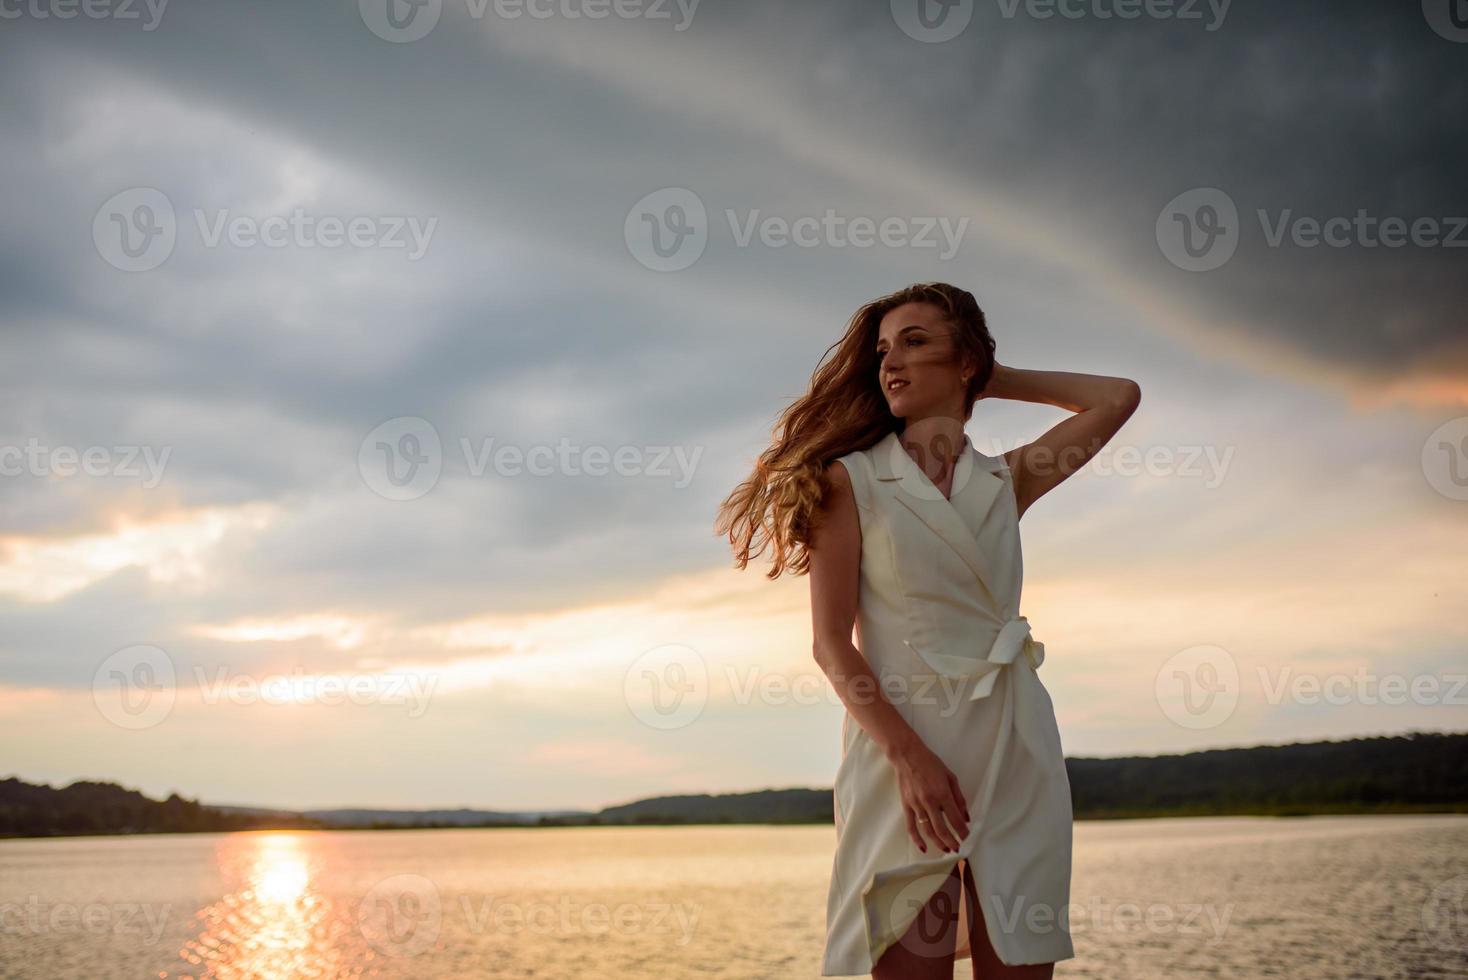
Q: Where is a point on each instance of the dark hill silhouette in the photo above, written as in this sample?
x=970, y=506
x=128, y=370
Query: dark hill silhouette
x=1414, y=773
x=1421, y=772
x=86, y=807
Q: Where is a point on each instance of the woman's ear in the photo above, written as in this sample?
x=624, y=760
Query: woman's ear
x=979, y=394
x=968, y=368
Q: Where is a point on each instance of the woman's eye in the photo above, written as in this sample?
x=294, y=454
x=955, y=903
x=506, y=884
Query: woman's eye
x=911, y=342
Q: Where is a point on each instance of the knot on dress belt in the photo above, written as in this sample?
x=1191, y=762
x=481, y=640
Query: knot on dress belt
x=1012, y=640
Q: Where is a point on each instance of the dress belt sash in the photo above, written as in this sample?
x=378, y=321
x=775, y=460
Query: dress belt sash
x=1012, y=640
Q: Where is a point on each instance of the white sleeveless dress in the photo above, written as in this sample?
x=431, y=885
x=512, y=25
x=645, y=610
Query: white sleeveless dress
x=939, y=622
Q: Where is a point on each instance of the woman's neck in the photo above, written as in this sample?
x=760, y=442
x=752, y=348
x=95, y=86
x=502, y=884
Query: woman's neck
x=934, y=443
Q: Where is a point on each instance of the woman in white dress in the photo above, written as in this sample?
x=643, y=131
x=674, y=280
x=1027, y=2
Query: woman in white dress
x=953, y=811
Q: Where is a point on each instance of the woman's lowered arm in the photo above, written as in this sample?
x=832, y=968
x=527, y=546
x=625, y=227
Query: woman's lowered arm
x=929, y=789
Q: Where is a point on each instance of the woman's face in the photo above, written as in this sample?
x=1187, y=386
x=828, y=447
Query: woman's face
x=919, y=372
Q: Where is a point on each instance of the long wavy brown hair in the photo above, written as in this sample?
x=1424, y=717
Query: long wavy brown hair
x=843, y=410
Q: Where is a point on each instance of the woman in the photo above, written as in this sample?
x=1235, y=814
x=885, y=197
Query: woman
x=952, y=806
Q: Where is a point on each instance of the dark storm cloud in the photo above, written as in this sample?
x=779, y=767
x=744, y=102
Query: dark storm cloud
x=1315, y=110
x=530, y=141
x=1301, y=110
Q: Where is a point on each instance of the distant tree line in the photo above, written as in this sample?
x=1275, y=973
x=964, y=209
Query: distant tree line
x=31, y=810
x=1395, y=774
x=1416, y=773
x=1421, y=772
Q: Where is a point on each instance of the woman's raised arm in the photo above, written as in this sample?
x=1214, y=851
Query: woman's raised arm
x=1102, y=405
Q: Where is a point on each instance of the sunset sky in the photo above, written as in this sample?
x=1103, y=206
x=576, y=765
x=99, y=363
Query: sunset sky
x=1290, y=500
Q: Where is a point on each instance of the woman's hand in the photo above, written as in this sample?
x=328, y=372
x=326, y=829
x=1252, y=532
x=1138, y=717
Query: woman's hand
x=932, y=798
x=996, y=383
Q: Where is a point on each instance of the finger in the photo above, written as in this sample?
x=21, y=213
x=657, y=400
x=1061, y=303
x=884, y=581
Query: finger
x=938, y=827
x=912, y=829
x=956, y=819
x=950, y=826
x=962, y=805
x=925, y=826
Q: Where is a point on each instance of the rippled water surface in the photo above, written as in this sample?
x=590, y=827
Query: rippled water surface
x=1232, y=897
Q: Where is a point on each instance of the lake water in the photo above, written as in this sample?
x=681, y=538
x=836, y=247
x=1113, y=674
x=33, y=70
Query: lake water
x=1309, y=898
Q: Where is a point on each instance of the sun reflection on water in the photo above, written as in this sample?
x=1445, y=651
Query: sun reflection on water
x=276, y=921
x=280, y=874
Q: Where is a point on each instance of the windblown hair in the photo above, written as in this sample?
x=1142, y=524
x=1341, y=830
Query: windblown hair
x=843, y=410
